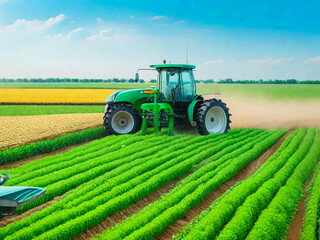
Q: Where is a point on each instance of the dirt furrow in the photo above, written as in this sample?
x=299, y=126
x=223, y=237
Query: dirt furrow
x=296, y=225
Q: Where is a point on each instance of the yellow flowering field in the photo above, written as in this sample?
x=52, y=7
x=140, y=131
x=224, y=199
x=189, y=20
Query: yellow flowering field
x=22, y=130
x=54, y=96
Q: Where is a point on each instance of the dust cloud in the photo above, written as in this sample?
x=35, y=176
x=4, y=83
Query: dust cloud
x=271, y=114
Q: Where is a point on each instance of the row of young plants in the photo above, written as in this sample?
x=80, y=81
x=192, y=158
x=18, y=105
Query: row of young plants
x=154, y=218
x=50, y=145
x=280, y=212
x=240, y=225
x=62, y=169
x=238, y=193
x=52, y=160
x=311, y=222
x=121, y=189
x=62, y=181
x=241, y=211
x=145, y=150
x=141, y=189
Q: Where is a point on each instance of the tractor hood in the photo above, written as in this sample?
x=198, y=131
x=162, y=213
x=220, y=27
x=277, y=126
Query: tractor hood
x=132, y=96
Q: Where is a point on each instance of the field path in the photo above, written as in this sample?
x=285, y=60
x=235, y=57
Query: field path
x=296, y=224
x=22, y=130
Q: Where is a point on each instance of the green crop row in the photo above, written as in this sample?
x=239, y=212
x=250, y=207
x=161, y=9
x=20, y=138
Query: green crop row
x=124, y=189
x=52, y=160
x=152, y=220
x=211, y=221
x=234, y=214
x=274, y=221
x=50, y=145
x=311, y=222
x=59, y=182
x=61, y=170
x=247, y=214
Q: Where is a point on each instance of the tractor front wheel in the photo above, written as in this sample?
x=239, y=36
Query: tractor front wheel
x=122, y=119
x=213, y=117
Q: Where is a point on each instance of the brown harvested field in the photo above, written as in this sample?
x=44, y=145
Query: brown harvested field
x=22, y=130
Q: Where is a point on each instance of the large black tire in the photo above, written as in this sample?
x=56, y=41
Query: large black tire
x=213, y=117
x=120, y=119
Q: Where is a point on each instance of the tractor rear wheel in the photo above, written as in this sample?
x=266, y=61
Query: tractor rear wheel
x=213, y=117
x=121, y=119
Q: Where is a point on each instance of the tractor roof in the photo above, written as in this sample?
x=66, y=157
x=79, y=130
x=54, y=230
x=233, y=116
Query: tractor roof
x=173, y=66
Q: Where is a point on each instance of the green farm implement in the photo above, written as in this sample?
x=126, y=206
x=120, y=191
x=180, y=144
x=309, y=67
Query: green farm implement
x=12, y=198
x=174, y=100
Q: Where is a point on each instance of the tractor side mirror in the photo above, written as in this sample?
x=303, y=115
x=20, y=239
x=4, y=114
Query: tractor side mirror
x=137, y=77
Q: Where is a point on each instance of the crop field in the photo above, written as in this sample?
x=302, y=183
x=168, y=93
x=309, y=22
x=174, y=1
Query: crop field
x=53, y=96
x=246, y=184
x=22, y=130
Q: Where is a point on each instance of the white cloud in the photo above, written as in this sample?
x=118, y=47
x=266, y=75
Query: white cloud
x=34, y=25
x=180, y=22
x=157, y=17
x=68, y=36
x=99, y=20
x=269, y=61
x=131, y=17
x=103, y=34
x=73, y=31
x=313, y=60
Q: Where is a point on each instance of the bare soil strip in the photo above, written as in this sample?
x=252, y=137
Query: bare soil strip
x=10, y=219
x=176, y=226
x=127, y=212
x=296, y=225
x=246, y=172
x=15, y=164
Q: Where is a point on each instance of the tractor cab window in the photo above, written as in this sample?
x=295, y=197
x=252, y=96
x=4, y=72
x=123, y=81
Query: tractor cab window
x=187, y=84
x=170, y=84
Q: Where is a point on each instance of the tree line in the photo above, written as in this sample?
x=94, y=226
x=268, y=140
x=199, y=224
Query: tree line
x=131, y=80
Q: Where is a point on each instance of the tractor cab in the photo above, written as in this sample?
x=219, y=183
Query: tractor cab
x=176, y=82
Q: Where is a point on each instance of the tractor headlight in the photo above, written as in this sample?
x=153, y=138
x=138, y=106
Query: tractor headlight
x=112, y=96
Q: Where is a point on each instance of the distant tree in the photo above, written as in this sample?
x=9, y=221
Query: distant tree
x=116, y=80
x=131, y=80
x=153, y=81
x=228, y=80
x=123, y=80
x=141, y=81
x=291, y=81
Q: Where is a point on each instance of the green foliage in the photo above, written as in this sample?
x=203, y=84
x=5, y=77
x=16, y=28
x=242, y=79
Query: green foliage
x=27, y=110
x=50, y=145
x=155, y=217
x=262, y=206
x=310, y=229
x=119, y=179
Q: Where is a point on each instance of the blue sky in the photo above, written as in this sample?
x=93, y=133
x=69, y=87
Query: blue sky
x=107, y=39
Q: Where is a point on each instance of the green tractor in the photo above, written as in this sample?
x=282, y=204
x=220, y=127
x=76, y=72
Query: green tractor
x=174, y=100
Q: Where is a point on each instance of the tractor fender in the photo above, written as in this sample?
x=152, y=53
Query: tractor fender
x=191, y=110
